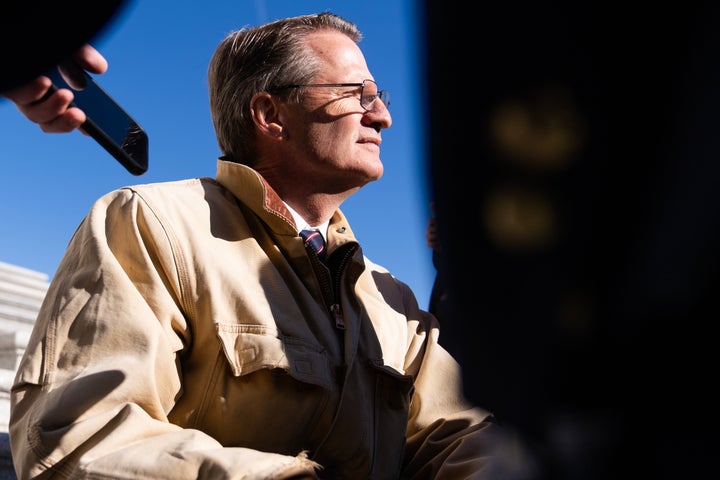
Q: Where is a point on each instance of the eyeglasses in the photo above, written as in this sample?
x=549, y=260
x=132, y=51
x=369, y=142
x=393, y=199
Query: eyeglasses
x=368, y=91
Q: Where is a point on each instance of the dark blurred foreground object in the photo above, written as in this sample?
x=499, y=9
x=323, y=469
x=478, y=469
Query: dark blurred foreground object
x=36, y=36
x=575, y=161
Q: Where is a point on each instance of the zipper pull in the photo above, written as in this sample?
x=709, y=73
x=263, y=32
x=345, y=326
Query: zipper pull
x=337, y=315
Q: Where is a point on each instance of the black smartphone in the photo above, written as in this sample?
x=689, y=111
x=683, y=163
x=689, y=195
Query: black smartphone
x=107, y=122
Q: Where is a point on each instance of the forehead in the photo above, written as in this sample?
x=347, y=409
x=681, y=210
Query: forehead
x=338, y=54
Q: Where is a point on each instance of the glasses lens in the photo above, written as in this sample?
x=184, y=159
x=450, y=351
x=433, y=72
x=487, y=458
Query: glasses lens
x=385, y=97
x=368, y=94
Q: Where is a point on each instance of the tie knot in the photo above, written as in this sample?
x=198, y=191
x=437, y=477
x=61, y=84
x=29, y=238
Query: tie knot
x=315, y=240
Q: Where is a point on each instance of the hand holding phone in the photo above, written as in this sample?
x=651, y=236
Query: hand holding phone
x=107, y=122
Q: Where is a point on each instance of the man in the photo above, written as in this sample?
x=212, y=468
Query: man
x=190, y=331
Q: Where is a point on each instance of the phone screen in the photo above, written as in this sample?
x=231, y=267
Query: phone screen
x=107, y=122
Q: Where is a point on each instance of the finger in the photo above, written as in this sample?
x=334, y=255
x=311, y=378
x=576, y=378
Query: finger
x=30, y=92
x=90, y=59
x=50, y=108
x=68, y=121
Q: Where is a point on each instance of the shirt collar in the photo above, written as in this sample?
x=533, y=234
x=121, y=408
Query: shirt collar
x=302, y=224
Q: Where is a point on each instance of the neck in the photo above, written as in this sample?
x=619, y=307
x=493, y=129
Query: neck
x=315, y=208
x=307, y=196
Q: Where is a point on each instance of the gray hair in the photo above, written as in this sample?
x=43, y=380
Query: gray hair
x=256, y=59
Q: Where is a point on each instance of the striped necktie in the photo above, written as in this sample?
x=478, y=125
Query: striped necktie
x=316, y=242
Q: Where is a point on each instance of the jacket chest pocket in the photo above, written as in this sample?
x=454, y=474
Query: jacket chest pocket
x=249, y=348
x=273, y=389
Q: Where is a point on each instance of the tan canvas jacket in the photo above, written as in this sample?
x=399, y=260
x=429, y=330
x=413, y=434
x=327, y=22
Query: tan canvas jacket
x=188, y=334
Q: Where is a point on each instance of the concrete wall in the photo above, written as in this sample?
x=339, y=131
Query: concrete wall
x=21, y=294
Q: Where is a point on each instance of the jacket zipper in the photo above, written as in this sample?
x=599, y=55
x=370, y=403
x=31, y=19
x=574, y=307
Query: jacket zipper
x=336, y=274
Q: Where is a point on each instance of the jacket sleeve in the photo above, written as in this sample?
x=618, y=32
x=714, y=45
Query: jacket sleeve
x=102, y=367
x=448, y=438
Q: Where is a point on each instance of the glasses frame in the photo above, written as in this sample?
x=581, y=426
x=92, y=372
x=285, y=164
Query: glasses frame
x=381, y=94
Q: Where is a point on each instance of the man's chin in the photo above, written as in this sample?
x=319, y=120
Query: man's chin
x=376, y=171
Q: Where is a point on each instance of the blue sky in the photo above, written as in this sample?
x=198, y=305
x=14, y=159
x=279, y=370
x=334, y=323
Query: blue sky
x=158, y=53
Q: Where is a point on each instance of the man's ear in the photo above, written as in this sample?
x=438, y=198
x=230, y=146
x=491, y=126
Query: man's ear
x=265, y=111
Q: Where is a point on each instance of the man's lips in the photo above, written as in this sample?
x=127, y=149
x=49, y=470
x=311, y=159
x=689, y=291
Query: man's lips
x=374, y=141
